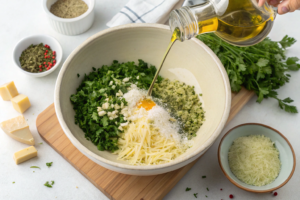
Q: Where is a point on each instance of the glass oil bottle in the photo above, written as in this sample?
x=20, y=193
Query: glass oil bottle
x=238, y=22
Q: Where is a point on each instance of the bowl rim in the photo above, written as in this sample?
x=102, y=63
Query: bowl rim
x=39, y=74
x=245, y=188
x=208, y=143
x=68, y=20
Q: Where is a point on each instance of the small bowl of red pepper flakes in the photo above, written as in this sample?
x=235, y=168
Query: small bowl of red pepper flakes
x=37, y=55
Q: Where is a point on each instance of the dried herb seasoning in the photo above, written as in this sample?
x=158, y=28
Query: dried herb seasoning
x=38, y=58
x=68, y=8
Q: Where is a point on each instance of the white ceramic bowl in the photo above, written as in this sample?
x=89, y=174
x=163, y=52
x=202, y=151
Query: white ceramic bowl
x=37, y=39
x=286, y=155
x=189, y=61
x=72, y=26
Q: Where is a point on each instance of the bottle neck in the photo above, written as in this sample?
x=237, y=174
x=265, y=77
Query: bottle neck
x=193, y=20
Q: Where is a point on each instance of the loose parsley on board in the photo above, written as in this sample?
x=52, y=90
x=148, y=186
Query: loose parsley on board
x=188, y=189
x=261, y=67
x=47, y=184
x=92, y=93
x=203, y=176
x=49, y=164
x=195, y=195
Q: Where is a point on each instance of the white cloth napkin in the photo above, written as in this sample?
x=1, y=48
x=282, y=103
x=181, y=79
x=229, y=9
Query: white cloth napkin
x=143, y=11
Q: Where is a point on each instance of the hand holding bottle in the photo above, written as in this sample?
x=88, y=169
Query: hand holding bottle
x=284, y=6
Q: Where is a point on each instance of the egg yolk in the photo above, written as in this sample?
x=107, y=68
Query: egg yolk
x=147, y=104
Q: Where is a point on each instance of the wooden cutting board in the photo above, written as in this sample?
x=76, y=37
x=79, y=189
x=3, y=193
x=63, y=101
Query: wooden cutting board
x=114, y=185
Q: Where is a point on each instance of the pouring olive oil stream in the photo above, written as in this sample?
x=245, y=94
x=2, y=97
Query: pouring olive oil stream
x=238, y=22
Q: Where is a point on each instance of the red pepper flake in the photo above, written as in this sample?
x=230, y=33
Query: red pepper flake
x=44, y=63
x=46, y=51
x=221, y=189
x=41, y=70
x=45, y=66
x=46, y=57
x=46, y=45
x=40, y=66
x=53, y=64
x=275, y=194
x=53, y=57
x=231, y=196
x=54, y=61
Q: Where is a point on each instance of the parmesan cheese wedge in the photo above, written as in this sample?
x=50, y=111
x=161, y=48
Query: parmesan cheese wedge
x=25, y=154
x=18, y=129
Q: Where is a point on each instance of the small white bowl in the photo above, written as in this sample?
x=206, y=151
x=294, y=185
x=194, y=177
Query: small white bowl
x=286, y=155
x=71, y=26
x=37, y=39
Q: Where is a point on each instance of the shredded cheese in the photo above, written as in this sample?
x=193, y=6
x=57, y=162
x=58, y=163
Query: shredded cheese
x=254, y=160
x=143, y=144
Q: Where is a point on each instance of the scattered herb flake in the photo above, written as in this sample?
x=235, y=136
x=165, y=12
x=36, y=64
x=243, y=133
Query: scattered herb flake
x=13, y=182
x=40, y=143
x=47, y=184
x=35, y=167
x=195, y=195
x=188, y=189
x=49, y=164
x=206, y=196
x=203, y=176
x=207, y=189
x=52, y=182
x=78, y=75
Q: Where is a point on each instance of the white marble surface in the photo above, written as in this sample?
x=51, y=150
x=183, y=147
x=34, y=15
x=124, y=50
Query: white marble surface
x=22, y=18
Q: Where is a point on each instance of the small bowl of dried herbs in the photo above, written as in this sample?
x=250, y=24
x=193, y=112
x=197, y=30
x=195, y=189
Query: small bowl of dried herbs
x=37, y=55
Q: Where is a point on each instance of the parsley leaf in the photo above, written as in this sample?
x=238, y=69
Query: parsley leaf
x=48, y=185
x=261, y=68
x=203, y=176
x=188, y=189
x=49, y=164
x=195, y=195
x=207, y=189
x=35, y=167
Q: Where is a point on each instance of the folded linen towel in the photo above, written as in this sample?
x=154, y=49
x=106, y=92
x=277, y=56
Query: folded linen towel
x=143, y=11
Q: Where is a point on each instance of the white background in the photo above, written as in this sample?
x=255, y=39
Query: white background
x=19, y=19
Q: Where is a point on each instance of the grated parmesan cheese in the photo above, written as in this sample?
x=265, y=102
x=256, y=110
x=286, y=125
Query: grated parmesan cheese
x=143, y=144
x=254, y=160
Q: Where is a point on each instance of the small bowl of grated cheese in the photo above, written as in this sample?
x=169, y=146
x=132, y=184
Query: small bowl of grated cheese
x=256, y=158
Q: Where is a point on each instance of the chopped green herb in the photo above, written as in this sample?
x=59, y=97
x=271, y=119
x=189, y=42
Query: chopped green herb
x=261, y=68
x=207, y=189
x=52, y=182
x=33, y=171
x=188, y=189
x=49, y=164
x=203, y=176
x=40, y=143
x=93, y=92
x=195, y=194
x=206, y=196
x=47, y=184
x=13, y=182
x=35, y=167
x=78, y=75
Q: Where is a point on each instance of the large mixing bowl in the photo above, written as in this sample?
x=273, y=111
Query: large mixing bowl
x=190, y=61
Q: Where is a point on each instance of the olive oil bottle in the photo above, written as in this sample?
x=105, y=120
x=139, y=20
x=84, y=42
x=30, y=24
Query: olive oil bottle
x=238, y=22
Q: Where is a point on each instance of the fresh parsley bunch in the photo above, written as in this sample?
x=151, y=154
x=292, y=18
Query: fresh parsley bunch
x=261, y=68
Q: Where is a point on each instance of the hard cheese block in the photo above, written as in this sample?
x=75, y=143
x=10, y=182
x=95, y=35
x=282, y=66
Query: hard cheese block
x=8, y=91
x=21, y=103
x=18, y=129
x=25, y=154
